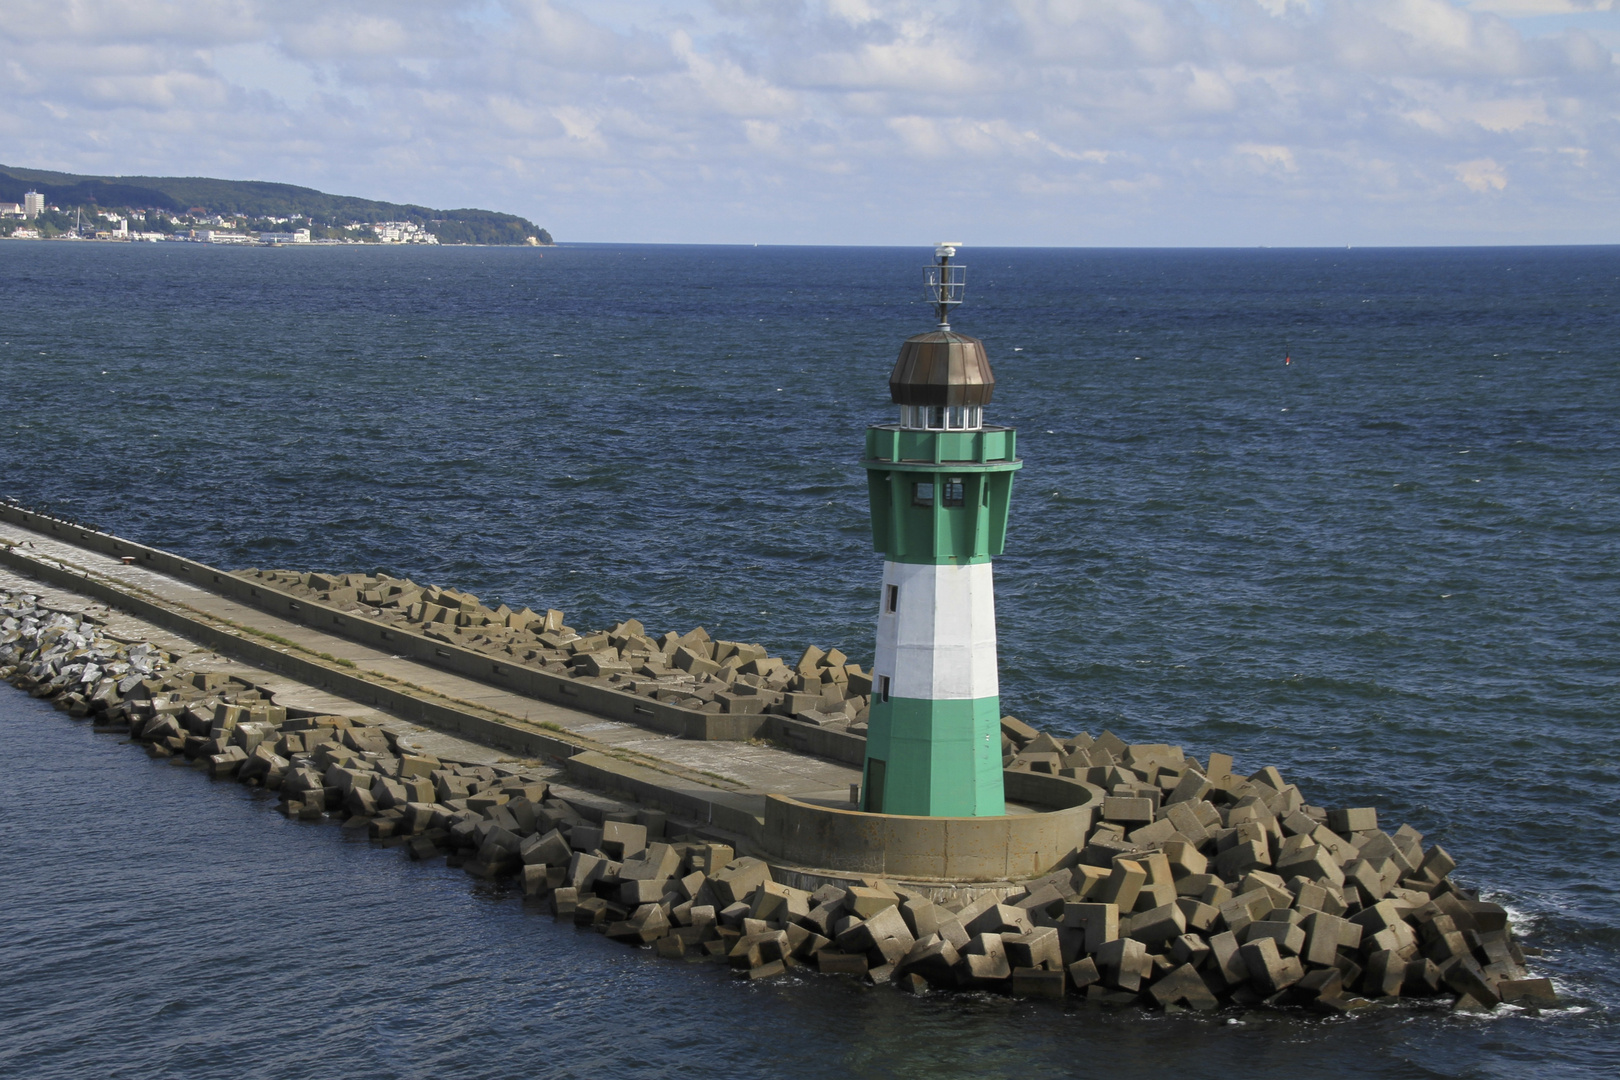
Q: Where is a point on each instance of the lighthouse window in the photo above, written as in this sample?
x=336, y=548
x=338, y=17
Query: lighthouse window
x=891, y=599
x=936, y=416
x=922, y=494
x=953, y=491
x=883, y=688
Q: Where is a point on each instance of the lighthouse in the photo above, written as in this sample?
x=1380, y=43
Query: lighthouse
x=940, y=482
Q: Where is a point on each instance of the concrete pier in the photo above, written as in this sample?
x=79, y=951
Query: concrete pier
x=720, y=782
x=711, y=776
x=1129, y=874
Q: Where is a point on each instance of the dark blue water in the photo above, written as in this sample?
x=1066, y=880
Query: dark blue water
x=1391, y=569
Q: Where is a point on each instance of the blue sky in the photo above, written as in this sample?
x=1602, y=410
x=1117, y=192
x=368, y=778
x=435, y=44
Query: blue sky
x=1023, y=122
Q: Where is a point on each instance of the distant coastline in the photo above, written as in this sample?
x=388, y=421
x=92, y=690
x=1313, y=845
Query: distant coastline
x=41, y=205
x=250, y=242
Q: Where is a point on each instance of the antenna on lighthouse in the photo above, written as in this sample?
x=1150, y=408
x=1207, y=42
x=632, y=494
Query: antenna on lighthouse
x=946, y=282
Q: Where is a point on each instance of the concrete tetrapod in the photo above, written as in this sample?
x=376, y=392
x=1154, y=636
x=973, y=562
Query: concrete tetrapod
x=1068, y=905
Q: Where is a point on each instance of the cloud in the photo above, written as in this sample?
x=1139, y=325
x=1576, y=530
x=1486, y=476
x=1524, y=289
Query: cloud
x=1509, y=114
x=1541, y=7
x=578, y=125
x=1279, y=157
x=262, y=67
x=1482, y=175
x=1028, y=121
x=723, y=84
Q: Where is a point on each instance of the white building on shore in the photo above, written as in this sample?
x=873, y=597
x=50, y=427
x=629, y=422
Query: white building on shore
x=396, y=232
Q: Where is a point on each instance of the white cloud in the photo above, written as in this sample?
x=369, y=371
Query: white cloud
x=722, y=84
x=855, y=12
x=342, y=33
x=577, y=124
x=258, y=65
x=920, y=135
x=1274, y=156
x=1509, y=114
x=763, y=133
x=1541, y=7
x=1053, y=121
x=1481, y=175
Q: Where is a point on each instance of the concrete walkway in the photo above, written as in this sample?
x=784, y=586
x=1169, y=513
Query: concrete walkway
x=291, y=692
x=737, y=775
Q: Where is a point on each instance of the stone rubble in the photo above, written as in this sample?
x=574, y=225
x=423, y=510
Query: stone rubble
x=1197, y=889
x=689, y=670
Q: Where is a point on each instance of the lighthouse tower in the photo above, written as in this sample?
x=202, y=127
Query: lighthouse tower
x=940, y=482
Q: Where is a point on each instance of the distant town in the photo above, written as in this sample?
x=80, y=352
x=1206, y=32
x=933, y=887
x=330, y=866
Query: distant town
x=134, y=209
x=35, y=219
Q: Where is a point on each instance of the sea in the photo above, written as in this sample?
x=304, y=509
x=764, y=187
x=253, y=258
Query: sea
x=1354, y=514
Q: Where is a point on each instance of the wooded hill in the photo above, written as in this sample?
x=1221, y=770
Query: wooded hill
x=201, y=196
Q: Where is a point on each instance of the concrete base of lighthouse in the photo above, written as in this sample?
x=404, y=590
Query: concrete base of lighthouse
x=811, y=844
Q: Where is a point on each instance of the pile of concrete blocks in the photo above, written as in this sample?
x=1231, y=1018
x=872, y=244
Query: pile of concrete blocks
x=321, y=765
x=690, y=670
x=69, y=659
x=1197, y=888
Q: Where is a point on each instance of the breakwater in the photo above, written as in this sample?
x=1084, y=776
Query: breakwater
x=1196, y=889
x=690, y=671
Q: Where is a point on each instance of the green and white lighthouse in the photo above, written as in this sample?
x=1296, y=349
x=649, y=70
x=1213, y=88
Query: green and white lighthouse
x=940, y=481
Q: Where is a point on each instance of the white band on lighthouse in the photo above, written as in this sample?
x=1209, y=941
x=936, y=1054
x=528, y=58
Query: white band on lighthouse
x=939, y=644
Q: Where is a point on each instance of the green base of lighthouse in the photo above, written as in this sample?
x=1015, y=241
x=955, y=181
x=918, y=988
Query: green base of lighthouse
x=935, y=758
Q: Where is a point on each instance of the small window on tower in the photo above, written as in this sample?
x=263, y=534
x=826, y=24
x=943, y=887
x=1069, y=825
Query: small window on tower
x=891, y=599
x=883, y=688
x=936, y=416
x=922, y=494
x=953, y=491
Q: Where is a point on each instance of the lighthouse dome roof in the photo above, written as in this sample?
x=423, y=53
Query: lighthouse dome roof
x=942, y=368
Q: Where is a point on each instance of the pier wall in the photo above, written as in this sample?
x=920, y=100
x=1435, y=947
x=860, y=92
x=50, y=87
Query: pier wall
x=1011, y=847
x=540, y=685
x=355, y=687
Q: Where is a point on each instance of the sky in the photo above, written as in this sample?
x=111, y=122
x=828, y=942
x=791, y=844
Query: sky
x=1018, y=122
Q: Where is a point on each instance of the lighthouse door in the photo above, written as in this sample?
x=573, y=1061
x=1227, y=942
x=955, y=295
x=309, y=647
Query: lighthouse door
x=874, y=786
